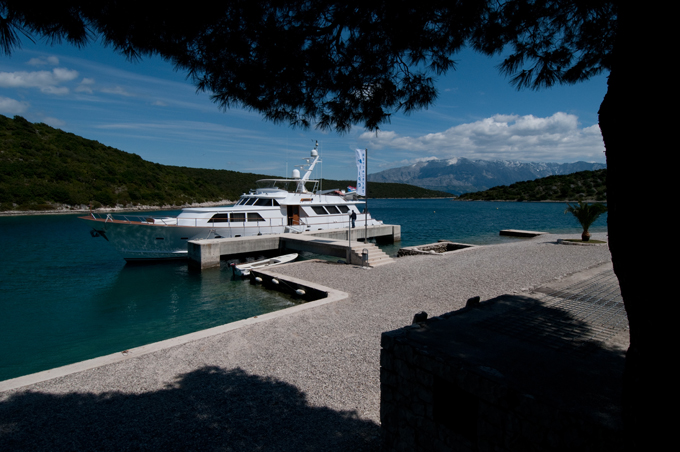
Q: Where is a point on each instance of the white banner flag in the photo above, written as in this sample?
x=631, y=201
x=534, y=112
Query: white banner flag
x=361, y=172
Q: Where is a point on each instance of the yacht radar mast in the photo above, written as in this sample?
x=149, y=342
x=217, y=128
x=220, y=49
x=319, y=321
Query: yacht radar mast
x=314, y=155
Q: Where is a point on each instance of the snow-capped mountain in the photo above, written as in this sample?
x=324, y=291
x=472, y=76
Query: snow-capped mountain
x=461, y=175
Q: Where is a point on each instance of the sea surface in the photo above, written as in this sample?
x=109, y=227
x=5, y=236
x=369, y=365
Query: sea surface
x=66, y=297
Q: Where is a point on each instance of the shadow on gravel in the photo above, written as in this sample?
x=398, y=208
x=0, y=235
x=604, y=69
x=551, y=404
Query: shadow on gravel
x=207, y=409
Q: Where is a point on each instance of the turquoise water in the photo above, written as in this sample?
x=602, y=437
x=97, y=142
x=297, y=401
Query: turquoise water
x=476, y=222
x=66, y=297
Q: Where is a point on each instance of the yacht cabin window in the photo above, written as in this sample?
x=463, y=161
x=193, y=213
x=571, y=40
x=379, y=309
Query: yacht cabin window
x=220, y=218
x=332, y=210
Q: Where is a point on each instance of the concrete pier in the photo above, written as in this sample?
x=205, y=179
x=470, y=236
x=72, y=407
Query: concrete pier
x=331, y=242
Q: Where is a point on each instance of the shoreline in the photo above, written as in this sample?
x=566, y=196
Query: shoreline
x=336, y=282
x=544, y=200
x=145, y=208
x=17, y=213
x=338, y=288
x=317, y=369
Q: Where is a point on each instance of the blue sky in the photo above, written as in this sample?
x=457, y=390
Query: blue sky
x=150, y=109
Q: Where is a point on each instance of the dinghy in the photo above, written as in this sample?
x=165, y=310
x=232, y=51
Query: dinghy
x=244, y=269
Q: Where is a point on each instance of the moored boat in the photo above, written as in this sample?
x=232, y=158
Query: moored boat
x=276, y=206
x=244, y=269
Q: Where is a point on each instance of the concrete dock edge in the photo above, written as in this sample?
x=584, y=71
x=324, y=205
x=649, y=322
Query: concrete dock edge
x=14, y=383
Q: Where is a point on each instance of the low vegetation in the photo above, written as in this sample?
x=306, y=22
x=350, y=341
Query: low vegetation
x=43, y=168
x=586, y=214
x=586, y=185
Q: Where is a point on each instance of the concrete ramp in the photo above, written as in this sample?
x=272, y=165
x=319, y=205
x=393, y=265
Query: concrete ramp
x=352, y=252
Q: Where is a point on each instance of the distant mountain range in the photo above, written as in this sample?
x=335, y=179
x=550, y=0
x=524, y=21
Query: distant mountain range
x=461, y=175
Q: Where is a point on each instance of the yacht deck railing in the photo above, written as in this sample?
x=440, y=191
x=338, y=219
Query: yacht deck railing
x=334, y=222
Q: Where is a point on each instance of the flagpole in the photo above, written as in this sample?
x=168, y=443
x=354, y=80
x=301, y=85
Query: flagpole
x=366, y=216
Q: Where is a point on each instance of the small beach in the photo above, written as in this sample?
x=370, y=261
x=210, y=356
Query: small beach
x=305, y=380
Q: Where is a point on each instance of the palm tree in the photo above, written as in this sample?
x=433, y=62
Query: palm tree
x=586, y=214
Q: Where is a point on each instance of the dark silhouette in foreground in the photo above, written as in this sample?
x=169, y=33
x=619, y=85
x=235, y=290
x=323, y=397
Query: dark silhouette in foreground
x=207, y=409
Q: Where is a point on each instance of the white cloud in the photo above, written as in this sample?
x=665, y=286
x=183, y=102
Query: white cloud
x=46, y=81
x=118, y=90
x=557, y=138
x=53, y=122
x=85, y=86
x=58, y=90
x=42, y=61
x=12, y=107
x=407, y=162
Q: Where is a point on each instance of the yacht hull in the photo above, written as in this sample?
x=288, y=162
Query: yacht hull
x=138, y=241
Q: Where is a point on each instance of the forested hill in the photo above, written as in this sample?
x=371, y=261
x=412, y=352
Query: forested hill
x=45, y=168
x=586, y=185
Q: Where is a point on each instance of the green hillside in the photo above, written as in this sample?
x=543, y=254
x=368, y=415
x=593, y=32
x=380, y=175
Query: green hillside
x=588, y=185
x=44, y=168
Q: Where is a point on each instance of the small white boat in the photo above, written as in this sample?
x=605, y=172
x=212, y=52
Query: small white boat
x=244, y=269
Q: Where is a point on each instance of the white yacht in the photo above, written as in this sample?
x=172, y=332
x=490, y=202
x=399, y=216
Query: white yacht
x=275, y=207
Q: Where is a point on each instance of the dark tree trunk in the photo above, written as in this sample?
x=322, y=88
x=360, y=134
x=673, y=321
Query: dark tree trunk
x=634, y=153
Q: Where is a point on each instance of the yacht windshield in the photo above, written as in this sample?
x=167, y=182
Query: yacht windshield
x=274, y=184
x=290, y=185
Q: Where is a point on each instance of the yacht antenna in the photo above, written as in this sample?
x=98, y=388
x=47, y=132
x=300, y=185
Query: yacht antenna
x=314, y=155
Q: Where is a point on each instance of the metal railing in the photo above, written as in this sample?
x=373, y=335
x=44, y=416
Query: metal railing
x=335, y=222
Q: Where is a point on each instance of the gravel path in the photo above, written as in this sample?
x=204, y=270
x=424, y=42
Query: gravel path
x=305, y=381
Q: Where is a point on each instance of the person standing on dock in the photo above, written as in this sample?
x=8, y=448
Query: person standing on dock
x=353, y=217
